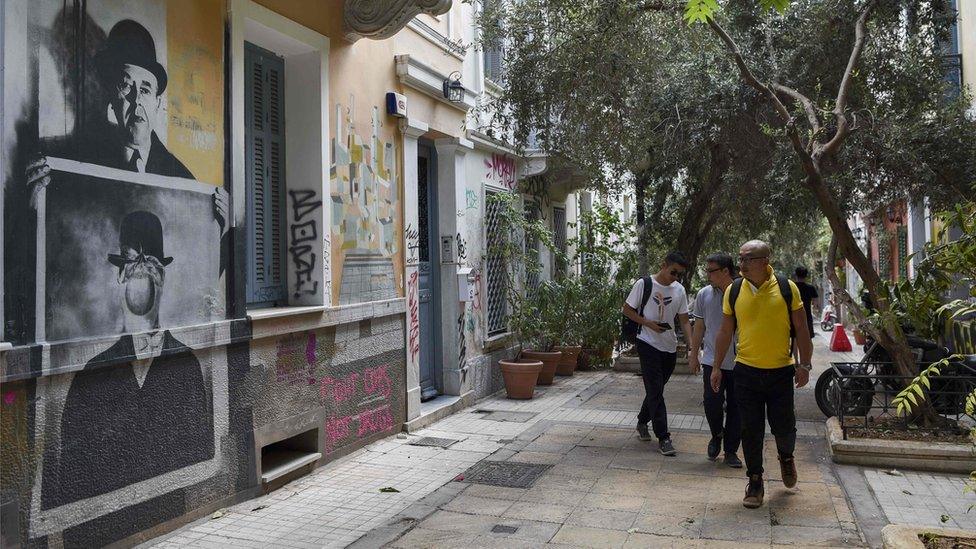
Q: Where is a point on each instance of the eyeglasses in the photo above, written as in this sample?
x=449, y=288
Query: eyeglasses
x=748, y=259
x=710, y=271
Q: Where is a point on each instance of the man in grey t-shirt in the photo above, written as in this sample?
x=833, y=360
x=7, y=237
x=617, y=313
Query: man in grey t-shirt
x=708, y=320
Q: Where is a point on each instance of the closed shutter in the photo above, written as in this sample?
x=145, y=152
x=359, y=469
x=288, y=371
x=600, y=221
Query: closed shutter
x=494, y=52
x=265, y=136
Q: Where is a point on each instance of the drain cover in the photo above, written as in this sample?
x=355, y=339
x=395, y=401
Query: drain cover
x=433, y=441
x=510, y=474
x=502, y=529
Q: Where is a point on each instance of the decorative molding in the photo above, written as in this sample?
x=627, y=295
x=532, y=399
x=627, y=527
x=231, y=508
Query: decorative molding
x=381, y=19
x=424, y=78
x=453, y=48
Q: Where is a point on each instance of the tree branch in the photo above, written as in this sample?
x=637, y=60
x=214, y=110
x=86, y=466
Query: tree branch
x=840, y=104
x=804, y=101
x=765, y=90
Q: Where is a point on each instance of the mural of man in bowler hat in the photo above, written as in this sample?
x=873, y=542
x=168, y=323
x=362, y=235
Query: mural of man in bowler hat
x=133, y=82
x=108, y=444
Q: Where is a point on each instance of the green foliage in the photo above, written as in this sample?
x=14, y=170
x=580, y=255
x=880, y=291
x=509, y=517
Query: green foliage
x=910, y=396
x=700, y=11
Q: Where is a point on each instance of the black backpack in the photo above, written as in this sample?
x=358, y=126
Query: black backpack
x=784, y=290
x=628, y=328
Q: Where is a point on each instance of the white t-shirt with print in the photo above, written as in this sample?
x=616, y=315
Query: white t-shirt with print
x=663, y=305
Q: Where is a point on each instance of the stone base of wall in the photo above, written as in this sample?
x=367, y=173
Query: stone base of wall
x=486, y=376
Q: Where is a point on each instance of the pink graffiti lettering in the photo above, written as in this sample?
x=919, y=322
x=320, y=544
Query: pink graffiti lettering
x=375, y=421
x=502, y=168
x=342, y=389
x=9, y=398
x=377, y=380
x=413, y=288
x=296, y=360
x=336, y=429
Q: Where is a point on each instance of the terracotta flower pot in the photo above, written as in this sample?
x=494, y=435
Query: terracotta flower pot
x=859, y=337
x=550, y=360
x=520, y=377
x=570, y=358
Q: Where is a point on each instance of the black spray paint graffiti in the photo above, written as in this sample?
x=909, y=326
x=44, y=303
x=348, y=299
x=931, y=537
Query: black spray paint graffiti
x=462, y=347
x=462, y=253
x=302, y=236
x=413, y=242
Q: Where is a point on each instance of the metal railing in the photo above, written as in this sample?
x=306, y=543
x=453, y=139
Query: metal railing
x=865, y=391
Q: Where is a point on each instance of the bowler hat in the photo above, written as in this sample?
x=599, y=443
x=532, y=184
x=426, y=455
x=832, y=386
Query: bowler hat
x=142, y=232
x=129, y=43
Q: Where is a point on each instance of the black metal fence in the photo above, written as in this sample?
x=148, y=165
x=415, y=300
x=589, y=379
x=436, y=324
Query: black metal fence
x=863, y=394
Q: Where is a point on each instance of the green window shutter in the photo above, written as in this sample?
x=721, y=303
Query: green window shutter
x=265, y=138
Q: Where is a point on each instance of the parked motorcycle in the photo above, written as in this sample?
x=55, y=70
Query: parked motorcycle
x=828, y=320
x=946, y=397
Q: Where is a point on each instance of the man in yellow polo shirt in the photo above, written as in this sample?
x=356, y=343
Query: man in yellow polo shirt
x=761, y=306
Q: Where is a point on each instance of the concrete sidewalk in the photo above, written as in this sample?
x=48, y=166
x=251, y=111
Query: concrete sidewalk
x=598, y=484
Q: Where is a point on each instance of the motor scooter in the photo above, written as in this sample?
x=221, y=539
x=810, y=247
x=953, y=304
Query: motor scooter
x=829, y=319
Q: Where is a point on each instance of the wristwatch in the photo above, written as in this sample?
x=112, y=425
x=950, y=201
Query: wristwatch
x=806, y=367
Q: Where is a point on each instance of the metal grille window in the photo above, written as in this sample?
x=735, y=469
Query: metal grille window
x=902, y=237
x=559, y=238
x=495, y=278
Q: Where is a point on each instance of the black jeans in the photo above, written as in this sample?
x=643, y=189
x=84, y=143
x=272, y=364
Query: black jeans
x=765, y=394
x=731, y=431
x=656, y=368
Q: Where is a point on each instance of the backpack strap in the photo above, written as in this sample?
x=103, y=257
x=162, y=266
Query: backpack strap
x=734, y=294
x=787, y=293
x=648, y=287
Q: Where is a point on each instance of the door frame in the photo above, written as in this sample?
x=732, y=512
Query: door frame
x=426, y=149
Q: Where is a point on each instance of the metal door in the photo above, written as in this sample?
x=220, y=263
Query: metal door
x=429, y=268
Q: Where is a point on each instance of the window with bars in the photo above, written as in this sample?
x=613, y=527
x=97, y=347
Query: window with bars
x=531, y=243
x=265, y=169
x=495, y=269
x=559, y=239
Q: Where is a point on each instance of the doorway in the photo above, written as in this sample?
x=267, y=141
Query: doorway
x=431, y=383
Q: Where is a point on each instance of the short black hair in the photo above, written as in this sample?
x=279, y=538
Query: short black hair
x=677, y=258
x=724, y=261
x=801, y=272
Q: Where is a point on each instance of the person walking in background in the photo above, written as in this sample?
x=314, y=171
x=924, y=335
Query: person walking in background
x=809, y=295
x=657, y=343
x=721, y=409
x=763, y=306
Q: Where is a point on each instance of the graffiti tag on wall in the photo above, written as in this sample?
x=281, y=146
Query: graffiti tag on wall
x=295, y=362
x=302, y=235
x=372, y=415
x=413, y=306
x=501, y=170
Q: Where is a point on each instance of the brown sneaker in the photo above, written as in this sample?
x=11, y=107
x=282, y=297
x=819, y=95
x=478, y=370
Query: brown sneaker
x=754, y=492
x=787, y=468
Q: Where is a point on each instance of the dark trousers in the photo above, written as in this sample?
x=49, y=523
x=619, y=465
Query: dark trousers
x=765, y=394
x=656, y=368
x=722, y=404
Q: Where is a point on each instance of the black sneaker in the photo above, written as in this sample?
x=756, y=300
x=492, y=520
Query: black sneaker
x=733, y=460
x=643, y=432
x=714, y=447
x=667, y=448
x=754, y=492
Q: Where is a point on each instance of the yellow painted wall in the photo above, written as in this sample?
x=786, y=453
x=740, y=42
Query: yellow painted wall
x=195, y=43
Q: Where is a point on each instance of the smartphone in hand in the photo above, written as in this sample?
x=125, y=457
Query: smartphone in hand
x=664, y=326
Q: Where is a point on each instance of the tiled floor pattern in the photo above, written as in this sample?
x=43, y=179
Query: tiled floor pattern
x=606, y=488
x=924, y=499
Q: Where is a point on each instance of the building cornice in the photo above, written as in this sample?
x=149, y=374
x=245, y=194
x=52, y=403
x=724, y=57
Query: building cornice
x=381, y=19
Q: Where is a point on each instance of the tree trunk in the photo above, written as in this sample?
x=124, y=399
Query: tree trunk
x=702, y=213
x=640, y=188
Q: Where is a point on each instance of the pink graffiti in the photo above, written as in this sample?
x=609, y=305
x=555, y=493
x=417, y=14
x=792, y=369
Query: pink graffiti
x=336, y=429
x=375, y=421
x=377, y=380
x=413, y=289
x=342, y=389
x=296, y=360
x=502, y=168
x=9, y=398
x=310, y=348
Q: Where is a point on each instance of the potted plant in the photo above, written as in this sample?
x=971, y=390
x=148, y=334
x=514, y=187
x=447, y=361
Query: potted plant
x=521, y=376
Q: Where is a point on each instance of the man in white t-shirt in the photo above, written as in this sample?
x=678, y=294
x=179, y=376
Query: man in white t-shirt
x=656, y=343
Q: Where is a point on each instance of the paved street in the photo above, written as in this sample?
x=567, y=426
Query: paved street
x=600, y=486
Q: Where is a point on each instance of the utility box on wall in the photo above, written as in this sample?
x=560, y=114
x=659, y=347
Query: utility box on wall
x=466, y=284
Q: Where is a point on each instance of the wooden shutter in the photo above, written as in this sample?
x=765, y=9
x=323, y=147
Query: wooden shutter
x=265, y=137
